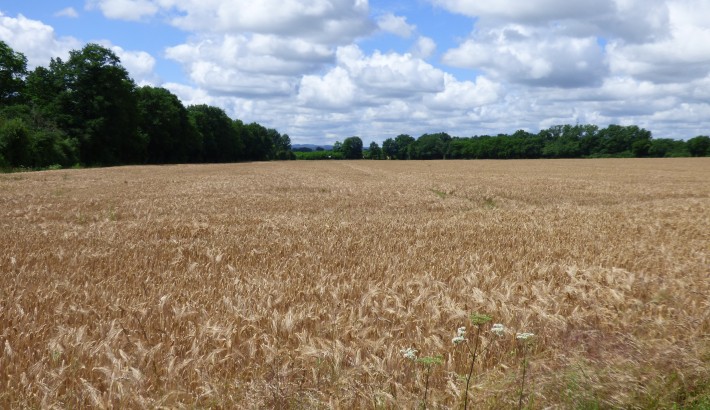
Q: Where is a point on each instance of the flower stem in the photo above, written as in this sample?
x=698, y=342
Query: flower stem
x=522, y=382
x=470, y=370
x=426, y=386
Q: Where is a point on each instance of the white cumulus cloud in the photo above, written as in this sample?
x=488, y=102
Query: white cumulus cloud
x=396, y=25
x=424, y=47
x=124, y=9
x=36, y=40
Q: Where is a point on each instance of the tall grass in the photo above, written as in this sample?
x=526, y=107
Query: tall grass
x=296, y=285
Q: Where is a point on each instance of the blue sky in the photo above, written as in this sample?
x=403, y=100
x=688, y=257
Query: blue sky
x=323, y=70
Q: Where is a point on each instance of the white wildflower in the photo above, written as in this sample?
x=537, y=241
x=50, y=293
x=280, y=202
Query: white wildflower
x=524, y=336
x=409, y=353
x=460, y=335
x=498, y=329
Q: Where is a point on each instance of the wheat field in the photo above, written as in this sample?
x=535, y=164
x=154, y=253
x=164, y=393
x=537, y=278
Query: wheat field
x=296, y=284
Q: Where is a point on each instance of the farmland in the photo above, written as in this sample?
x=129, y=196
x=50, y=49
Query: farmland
x=296, y=284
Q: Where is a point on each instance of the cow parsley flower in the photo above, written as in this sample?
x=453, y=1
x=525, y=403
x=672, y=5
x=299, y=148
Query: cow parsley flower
x=498, y=329
x=524, y=336
x=409, y=353
x=460, y=336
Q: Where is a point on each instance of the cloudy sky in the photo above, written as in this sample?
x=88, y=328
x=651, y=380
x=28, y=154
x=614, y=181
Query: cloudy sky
x=324, y=70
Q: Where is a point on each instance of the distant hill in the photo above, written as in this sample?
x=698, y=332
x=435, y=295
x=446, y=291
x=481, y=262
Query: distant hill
x=311, y=146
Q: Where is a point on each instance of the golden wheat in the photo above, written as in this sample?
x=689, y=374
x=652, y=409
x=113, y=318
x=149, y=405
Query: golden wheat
x=296, y=284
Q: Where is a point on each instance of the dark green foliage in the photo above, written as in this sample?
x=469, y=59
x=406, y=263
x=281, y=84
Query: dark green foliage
x=220, y=140
x=100, y=105
x=389, y=148
x=164, y=121
x=89, y=110
x=13, y=70
x=560, y=141
x=699, y=146
x=430, y=146
x=352, y=148
x=260, y=142
x=15, y=143
x=282, y=146
x=404, y=146
x=374, y=151
x=666, y=147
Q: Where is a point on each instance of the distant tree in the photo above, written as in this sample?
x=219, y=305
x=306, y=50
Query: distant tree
x=561, y=141
x=699, y=146
x=617, y=140
x=640, y=148
x=666, y=147
x=352, y=148
x=282, y=147
x=404, y=144
x=389, y=148
x=430, y=146
x=374, y=151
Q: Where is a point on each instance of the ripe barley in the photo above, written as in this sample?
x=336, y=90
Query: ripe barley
x=297, y=284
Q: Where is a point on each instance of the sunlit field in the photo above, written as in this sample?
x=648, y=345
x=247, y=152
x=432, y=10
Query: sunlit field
x=297, y=285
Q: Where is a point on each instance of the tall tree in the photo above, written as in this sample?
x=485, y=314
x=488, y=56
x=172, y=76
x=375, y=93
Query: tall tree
x=260, y=143
x=374, y=151
x=404, y=143
x=220, y=139
x=389, y=148
x=352, y=148
x=15, y=144
x=164, y=122
x=92, y=98
x=13, y=70
x=699, y=146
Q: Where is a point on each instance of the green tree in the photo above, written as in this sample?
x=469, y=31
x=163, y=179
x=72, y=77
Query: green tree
x=699, y=146
x=666, y=147
x=13, y=70
x=374, y=151
x=259, y=142
x=352, y=148
x=430, y=146
x=389, y=148
x=282, y=148
x=92, y=98
x=561, y=141
x=617, y=140
x=220, y=139
x=404, y=145
x=16, y=143
x=164, y=122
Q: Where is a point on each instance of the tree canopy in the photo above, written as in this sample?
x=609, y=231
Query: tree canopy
x=88, y=110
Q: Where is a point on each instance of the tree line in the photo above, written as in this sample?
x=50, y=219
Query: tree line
x=88, y=111
x=560, y=141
